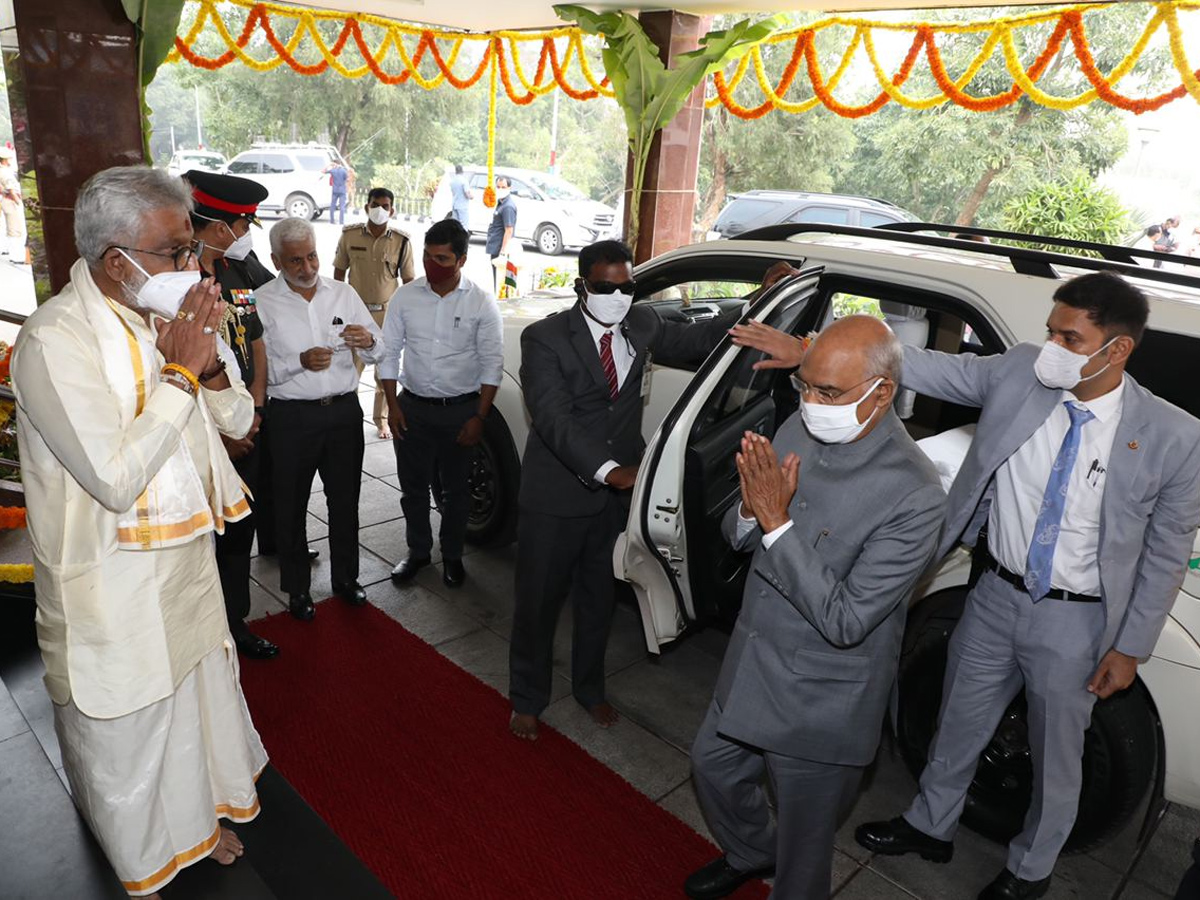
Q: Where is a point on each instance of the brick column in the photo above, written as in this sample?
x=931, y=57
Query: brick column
x=669, y=193
x=79, y=58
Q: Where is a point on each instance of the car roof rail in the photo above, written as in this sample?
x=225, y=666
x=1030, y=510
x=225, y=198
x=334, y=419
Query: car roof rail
x=1025, y=260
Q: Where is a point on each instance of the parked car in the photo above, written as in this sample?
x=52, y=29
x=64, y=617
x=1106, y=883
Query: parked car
x=204, y=160
x=552, y=214
x=758, y=209
x=293, y=174
x=937, y=292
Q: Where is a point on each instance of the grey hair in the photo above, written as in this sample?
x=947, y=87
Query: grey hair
x=885, y=356
x=113, y=203
x=292, y=230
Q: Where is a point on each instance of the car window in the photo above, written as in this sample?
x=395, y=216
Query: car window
x=312, y=162
x=744, y=213
x=276, y=164
x=826, y=215
x=871, y=220
x=247, y=164
x=479, y=181
x=845, y=304
x=705, y=289
x=521, y=189
x=1168, y=365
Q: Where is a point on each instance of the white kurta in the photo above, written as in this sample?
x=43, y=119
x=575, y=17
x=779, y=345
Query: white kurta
x=155, y=736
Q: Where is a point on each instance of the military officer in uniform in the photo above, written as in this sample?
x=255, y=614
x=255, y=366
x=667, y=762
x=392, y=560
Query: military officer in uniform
x=378, y=259
x=225, y=208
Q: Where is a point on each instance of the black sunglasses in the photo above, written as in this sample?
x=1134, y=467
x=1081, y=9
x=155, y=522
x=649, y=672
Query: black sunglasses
x=609, y=287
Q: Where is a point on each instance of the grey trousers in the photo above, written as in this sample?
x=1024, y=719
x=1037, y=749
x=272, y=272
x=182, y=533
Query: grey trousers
x=1002, y=642
x=810, y=796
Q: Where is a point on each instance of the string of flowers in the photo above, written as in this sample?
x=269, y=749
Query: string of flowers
x=999, y=35
x=22, y=573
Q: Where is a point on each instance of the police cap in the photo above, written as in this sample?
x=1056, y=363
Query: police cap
x=226, y=198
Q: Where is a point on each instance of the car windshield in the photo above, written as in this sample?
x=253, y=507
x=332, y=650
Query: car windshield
x=556, y=188
x=204, y=160
x=312, y=162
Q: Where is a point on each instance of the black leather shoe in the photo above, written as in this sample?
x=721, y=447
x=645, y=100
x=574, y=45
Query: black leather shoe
x=301, y=606
x=353, y=593
x=453, y=573
x=1008, y=886
x=408, y=568
x=897, y=837
x=254, y=647
x=718, y=879
x=313, y=555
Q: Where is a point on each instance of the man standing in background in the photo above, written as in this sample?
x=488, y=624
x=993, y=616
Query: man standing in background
x=460, y=198
x=500, y=232
x=12, y=207
x=339, y=179
x=378, y=259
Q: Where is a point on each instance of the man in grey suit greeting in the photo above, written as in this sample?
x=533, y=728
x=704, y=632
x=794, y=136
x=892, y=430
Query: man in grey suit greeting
x=1090, y=487
x=841, y=532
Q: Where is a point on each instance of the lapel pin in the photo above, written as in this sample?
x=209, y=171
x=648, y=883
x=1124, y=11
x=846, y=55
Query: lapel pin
x=1133, y=445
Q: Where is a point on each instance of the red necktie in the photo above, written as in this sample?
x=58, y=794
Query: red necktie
x=610, y=367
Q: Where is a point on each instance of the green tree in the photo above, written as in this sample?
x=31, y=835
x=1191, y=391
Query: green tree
x=1074, y=208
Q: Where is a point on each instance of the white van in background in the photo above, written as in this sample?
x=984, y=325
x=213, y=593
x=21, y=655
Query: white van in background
x=552, y=214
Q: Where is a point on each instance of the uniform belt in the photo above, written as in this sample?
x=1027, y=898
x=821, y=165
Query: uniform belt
x=376, y=307
x=1018, y=582
x=318, y=401
x=443, y=401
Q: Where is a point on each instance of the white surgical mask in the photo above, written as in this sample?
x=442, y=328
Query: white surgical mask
x=1059, y=368
x=161, y=294
x=501, y=193
x=378, y=215
x=836, y=424
x=609, y=309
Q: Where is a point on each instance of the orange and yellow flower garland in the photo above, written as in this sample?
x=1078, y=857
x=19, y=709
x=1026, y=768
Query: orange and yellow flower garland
x=14, y=517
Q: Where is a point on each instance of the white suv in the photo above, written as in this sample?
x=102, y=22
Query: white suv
x=552, y=214
x=952, y=295
x=293, y=174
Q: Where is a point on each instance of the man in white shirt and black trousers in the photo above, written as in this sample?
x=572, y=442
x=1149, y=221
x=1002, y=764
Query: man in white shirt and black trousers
x=310, y=324
x=450, y=333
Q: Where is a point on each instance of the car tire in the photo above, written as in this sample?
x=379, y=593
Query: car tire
x=493, y=481
x=301, y=206
x=1120, y=748
x=549, y=240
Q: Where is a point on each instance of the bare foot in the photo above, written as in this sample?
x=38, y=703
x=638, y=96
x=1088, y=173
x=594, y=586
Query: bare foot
x=229, y=848
x=524, y=726
x=604, y=715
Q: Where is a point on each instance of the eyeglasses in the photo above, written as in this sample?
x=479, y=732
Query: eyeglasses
x=181, y=257
x=609, y=287
x=826, y=395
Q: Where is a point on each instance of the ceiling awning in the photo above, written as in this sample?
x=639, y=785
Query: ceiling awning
x=487, y=15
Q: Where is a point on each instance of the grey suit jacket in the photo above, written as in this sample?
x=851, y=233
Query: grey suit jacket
x=812, y=661
x=576, y=425
x=1151, y=504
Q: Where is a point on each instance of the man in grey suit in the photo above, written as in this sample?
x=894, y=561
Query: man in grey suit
x=812, y=662
x=585, y=377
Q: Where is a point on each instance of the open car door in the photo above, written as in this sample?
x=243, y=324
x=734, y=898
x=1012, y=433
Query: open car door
x=672, y=552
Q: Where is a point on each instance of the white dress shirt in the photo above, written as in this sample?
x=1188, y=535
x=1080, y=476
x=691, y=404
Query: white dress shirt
x=451, y=345
x=622, y=359
x=292, y=325
x=745, y=526
x=1021, y=484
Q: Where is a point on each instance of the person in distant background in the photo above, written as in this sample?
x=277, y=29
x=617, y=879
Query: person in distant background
x=339, y=182
x=500, y=232
x=460, y=198
x=12, y=207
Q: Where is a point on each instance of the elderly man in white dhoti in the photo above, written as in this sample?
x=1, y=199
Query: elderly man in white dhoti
x=122, y=398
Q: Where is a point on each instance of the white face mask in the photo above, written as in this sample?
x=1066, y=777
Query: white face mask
x=378, y=215
x=501, y=193
x=1057, y=367
x=836, y=424
x=609, y=309
x=240, y=248
x=161, y=294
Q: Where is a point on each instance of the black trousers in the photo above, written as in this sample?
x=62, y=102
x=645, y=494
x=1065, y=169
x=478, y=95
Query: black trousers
x=307, y=438
x=233, y=548
x=430, y=445
x=556, y=558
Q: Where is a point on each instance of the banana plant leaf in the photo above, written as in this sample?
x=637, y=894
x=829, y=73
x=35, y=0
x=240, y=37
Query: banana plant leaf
x=650, y=94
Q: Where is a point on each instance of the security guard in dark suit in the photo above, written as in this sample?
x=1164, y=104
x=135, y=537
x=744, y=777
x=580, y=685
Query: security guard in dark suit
x=225, y=208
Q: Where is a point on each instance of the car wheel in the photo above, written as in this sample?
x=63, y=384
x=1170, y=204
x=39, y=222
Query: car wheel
x=1120, y=748
x=493, y=481
x=300, y=205
x=549, y=240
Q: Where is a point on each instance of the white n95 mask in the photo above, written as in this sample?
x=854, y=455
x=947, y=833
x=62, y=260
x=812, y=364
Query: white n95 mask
x=1059, y=368
x=240, y=248
x=378, y=215
x=835, y=424
x=162, y=294
x=609, y=309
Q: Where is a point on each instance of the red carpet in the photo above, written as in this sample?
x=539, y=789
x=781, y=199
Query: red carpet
x=409, y=759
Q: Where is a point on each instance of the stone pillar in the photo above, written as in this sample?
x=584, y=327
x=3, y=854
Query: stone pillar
x=669, y=192
x=79, y=58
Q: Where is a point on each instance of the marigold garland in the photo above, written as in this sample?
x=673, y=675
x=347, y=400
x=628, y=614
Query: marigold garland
x=16, y=574
x=560, y=47
x=12, y=517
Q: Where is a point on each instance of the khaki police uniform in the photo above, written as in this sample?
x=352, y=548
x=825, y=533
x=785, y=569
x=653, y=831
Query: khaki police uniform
x=375, y=267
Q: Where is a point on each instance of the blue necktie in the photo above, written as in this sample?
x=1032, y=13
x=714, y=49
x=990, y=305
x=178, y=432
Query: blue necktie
x=1040, y=561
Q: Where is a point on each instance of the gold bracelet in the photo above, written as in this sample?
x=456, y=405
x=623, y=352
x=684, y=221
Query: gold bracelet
x=186, y=373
